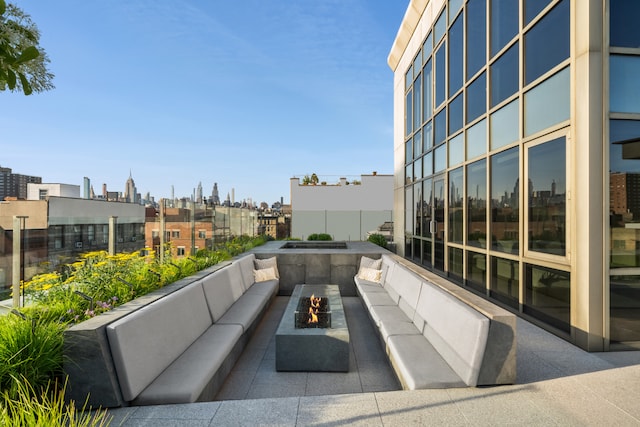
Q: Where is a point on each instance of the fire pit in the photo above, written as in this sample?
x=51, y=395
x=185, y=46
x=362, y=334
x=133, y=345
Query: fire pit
x=313, y=333
x=313, y=312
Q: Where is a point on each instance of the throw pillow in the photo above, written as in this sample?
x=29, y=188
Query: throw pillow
x=371, y=263
x=264, y=274
x=267, y=263
x=370, y=274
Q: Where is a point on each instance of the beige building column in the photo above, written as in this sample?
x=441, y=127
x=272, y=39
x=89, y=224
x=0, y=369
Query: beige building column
x=589, y=174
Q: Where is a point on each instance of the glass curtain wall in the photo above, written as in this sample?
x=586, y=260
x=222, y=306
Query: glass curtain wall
x=487, y=110
x=624, y=171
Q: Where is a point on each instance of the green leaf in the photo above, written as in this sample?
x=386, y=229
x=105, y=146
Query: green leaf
x=11, y=79
x=3, y=7
x=26, y=87
x=27, y=55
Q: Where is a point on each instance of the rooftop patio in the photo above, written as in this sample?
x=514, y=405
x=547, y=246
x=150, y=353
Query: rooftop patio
x=558, y=384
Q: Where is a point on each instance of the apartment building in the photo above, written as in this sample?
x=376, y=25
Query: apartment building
x=516, y=139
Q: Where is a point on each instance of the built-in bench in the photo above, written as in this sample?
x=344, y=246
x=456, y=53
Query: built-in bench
x=436, y=335
x=179, y=347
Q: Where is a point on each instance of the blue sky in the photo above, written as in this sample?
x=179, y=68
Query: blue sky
x=246, y=94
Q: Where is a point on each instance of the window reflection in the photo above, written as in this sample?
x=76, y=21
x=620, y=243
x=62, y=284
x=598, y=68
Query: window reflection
x=440, y=73
x=456, y=55
x=548, y=296
x=477, y=204
x=504, y=76
x=547, y=197
x=476, y=36
x=504, y=23
x=505, y=196
x=455, y=205
x=476, y=271
x=624, y=29
x=505, y=282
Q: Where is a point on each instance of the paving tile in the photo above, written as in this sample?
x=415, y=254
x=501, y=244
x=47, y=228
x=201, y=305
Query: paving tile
x=236, y=386
x=250, y=360
x=327, y=383
x=280, y=412
x=418, y=408
x=193, y=411
x=348, y=409
x=377, y=377
x=263, y=391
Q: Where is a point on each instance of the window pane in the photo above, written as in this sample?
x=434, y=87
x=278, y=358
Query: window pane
x=427, y=164
x=625, y=308
x=477, y=98
x=476, y=36
x=408, y=209
x=408, y=114
x=441, y=26
x=504, y=76
x=456, y=150
x=427, y=91
x=532, y=8
x=505, y=281
x=408, y=176
x=454, y=7
x=548, y=296
x=408, y=151
x=417, y=145
x=476, y=271
x=408, y=78
x=440, y=74
x=428, y=136
x=504, y=125
x=440, y=159
x=417, y=102
x=548, y=103
x=440, y=127
x=504, y=23
x=456, y=55
x=427, y=47
x=455, y=114
x=547, y=197
x=624, y=84
x=455, y=205
x=624, y=193
x=426, y=209
x=505, y=196
x=477, y=204
x=417, y=170
x=477, y=139
x=455, y=263
x=623, y=28
x=417, y=200
x=547, y=43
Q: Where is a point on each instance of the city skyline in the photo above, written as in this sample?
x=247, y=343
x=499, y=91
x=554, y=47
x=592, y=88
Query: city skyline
x=245, y=97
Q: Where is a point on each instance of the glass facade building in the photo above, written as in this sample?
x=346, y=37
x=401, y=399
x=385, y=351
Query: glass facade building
x=517, y=157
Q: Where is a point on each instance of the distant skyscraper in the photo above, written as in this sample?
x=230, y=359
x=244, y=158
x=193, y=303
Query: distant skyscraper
x=15, y=185
x=87, y=188
x=199, y=193
x=215, y=196
x=130, y=190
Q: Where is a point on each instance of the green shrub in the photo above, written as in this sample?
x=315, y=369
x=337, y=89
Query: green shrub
x=33, y=407
x=378, y=239
x=30, y=348
x=320, y=236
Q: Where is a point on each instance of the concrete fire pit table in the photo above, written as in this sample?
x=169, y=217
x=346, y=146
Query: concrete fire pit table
x=313, y=349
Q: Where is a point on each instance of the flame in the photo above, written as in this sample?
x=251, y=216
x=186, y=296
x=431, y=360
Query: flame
x=315, y=302
x=313, y=315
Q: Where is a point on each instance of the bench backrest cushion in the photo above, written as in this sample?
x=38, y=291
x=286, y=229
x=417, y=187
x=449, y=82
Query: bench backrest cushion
x=387, y=269
x=146, y=341
x=222, y=288
x=457, y=331
x=246, y=269
x=404, y=288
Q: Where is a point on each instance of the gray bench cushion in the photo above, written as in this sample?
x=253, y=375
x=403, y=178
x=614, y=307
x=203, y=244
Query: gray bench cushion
x=457, y=331
x=419, y=364
x=405, y=289
x=269, y=288
x=244, y=311
x=376, y=298
x=246, y=269
x=222, y=289
x=185, y=379
x=390, y=328
x=383, y=313
x=145, y=342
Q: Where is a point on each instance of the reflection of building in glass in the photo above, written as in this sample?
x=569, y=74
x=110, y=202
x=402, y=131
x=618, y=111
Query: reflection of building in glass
x=500, y=80
x=624, y=192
